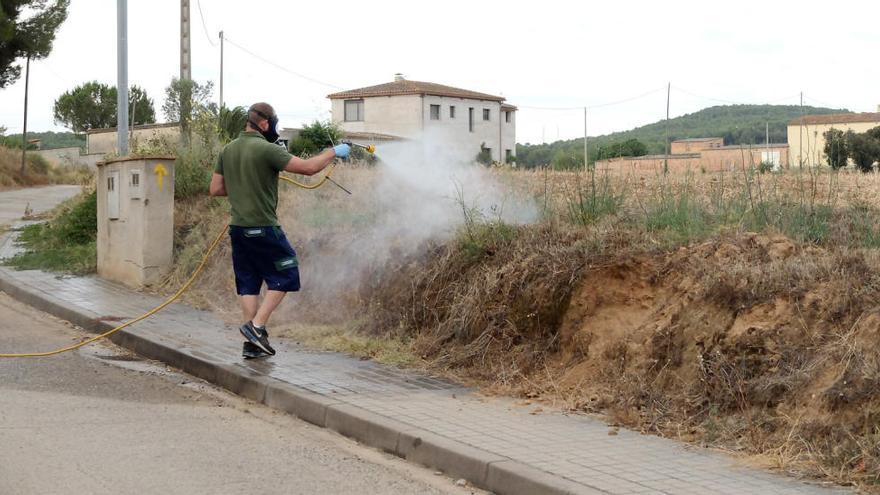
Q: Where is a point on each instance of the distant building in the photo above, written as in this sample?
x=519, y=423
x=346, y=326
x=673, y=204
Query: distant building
x=705, y=154
x=693, y=145
x=405, y=109
x=806, y=135
x=103, y=141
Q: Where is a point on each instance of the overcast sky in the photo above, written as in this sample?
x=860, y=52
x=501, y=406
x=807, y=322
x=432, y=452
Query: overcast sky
x=536, y=54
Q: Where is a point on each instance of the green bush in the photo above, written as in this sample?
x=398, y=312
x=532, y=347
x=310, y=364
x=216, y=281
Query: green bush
x=66, y=243
x=192, y=172
x=315, y=137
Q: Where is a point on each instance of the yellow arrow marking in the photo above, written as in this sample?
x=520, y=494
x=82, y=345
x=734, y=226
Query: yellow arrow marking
x=160, y=172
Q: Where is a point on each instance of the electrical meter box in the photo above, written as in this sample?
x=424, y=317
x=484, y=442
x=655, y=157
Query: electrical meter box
x=135, y=219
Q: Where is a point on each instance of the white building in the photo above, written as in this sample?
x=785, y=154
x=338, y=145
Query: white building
x=413, y=109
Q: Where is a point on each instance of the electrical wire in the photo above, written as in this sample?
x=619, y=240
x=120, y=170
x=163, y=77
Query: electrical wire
x=279, y=67
x=598, y=105
x=204, y=26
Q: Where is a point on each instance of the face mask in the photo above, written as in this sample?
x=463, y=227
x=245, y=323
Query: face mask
x=271, y=132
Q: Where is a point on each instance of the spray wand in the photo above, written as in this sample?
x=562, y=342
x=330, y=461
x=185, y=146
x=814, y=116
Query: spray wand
x=369, y=148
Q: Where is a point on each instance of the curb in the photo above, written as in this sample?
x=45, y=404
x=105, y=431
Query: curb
x=482, y=469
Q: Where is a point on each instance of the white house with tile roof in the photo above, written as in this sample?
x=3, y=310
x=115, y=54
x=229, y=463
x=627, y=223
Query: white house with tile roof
x=414, y=109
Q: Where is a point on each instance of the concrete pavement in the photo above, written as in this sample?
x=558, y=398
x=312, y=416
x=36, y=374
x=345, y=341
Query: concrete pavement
x=103, y=421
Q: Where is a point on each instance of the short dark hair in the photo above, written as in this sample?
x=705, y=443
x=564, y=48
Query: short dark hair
x=260, y=111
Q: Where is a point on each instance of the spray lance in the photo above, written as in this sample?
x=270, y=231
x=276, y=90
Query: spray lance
x=369, y=148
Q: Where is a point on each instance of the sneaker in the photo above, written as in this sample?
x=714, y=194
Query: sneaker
x=251, y=351
x=257, y=336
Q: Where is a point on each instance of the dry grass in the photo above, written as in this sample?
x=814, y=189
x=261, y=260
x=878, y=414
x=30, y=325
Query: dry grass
x=40, y=172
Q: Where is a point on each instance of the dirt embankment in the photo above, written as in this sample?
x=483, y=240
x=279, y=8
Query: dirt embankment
x=752, y=343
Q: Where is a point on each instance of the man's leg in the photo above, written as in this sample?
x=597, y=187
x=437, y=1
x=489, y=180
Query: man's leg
x=270, y=302
x=249, y=305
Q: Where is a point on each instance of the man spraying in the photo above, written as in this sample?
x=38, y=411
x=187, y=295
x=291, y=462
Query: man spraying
x=247, y=172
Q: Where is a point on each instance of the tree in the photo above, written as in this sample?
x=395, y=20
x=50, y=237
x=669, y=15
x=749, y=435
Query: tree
x=630, y=147
x=185, y=98
x=230, y=122
x=567, y=159
x=864, y=149
x=315, y=137
x=141, y=106
x=31, y=37
x=835, y=148
x=93, y=106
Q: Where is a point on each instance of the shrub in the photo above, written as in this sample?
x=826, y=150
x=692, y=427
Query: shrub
x=192, y=172
x=66, y=243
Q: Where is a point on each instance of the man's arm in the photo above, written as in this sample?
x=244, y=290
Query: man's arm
x=315, y=164
x=218, y=185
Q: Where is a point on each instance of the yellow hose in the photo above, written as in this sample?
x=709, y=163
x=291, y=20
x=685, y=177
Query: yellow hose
x=180, y=292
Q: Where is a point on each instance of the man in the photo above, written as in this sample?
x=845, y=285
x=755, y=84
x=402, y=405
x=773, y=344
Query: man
x=247, y=172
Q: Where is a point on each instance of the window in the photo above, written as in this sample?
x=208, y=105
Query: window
x=507, y=116
x=508, y=154
x=354, y=110
x=771, y=157
x=435, y=112
x=486, y=114
x=471, y=119
x=451, y=111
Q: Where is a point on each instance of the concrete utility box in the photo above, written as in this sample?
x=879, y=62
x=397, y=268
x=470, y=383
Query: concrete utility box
x=135, y=219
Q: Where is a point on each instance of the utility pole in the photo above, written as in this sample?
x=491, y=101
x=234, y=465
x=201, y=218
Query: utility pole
x=801, y=134
x=666, y=157
x=122, y=77
x=586, y=156
x=185, y=72
x=185, y=59
x=27, y=75
x=221, y=69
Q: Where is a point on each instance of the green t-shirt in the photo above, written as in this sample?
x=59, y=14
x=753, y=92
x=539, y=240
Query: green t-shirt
x=250, y=166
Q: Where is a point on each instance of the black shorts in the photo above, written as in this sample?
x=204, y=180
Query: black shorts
x=262, y=254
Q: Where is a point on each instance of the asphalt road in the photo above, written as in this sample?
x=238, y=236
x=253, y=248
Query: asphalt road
x=13, y=203
x=102, y=421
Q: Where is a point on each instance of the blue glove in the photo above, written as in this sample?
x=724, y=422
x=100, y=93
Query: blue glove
x=342, y=150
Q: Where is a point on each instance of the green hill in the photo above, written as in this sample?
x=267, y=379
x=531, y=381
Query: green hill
x=50, y=140
x=737, y=124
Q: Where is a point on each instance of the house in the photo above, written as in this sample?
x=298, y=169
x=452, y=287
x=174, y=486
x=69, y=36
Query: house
x=806, y=135
x=404, y=109
x=704, y=154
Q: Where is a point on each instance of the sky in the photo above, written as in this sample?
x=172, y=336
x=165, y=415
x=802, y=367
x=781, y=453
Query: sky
x=614, y=57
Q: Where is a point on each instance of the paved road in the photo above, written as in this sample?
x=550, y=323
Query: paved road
x=39, y=199
x=102, y=421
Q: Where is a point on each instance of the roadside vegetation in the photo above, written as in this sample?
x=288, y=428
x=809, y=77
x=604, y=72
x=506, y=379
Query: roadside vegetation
x=39, y=171
x=65, y=243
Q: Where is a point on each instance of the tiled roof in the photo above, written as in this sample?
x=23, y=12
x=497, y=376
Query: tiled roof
x=837, y=118
x=697, y=140
x=407, y=87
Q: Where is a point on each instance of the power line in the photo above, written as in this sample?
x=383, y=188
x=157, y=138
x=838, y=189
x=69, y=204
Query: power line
x=820, y=102
x=280, y=67
x=204, y=26
x=598, y=105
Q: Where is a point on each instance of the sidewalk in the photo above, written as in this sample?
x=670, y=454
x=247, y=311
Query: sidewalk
x=493, y=443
